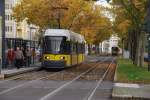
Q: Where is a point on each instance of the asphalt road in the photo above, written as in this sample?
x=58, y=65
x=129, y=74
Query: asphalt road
x=54, y=90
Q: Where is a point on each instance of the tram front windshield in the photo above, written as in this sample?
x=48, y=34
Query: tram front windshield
x=54, y=45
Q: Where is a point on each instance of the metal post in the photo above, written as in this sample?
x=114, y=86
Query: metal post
x=148, y=31
x=148, y=52
x=2, y=15
x=30, y=37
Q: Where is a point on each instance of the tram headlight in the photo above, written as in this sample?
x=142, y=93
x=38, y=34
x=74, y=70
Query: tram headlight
x=62, y=58
x=47, y=57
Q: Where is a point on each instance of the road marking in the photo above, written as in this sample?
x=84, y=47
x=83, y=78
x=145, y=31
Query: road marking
x=10, y=89
x=63, y=86
x=127, y=85
x=99, y=82
x=46, y=97
x=11, y=79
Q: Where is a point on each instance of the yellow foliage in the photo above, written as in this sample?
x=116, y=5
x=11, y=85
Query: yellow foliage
x=124, y=26
x=77, y=15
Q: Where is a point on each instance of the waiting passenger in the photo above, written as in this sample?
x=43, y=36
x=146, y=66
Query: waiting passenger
x=11, y=57
x=18, y=56
x=23, y=63
x=28, y=56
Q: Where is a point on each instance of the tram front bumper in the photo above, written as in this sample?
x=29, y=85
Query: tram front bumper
x=53, y=64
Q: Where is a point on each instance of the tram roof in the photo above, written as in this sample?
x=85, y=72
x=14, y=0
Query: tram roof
x=71, y=36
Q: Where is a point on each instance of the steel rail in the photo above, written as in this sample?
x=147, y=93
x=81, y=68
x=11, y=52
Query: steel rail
x=46, y=97
x=29, y=82
x=99, y=82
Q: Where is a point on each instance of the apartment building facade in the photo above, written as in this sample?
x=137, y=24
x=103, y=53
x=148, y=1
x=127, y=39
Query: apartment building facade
x=17, y=30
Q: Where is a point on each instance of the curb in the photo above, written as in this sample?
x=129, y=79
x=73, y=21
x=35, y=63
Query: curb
x=127, y=97
x=1, y=76
x=116, y=96
x=21, y=72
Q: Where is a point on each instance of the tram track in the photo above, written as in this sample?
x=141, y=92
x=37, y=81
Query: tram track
x=99, y=83
x=51, y=94
x=77, y=73
x=25, y=83
x=25, y=75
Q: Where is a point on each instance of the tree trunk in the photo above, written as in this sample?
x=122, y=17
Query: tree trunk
x=89, y=49
x=97, y=49
x=130, y=43
x=133, y=46
x=137, y=51
x=143, y=38
x=137, y=55
x=122, y=47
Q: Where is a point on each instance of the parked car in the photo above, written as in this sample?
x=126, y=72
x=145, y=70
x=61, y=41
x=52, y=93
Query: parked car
x=146, y=58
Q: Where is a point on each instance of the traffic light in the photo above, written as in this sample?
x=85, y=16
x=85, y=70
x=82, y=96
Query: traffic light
x=146, y=26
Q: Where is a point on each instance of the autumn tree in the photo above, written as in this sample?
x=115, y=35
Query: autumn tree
x=80, y=16
x=128, y=23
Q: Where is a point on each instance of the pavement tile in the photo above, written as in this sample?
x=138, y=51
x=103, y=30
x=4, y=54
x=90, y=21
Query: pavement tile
x=134, y=91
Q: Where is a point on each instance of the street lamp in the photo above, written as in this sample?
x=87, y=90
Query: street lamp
x=2, y=34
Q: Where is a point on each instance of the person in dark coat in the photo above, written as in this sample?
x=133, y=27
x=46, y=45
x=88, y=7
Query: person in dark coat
x=18, y=56
x=24, y=59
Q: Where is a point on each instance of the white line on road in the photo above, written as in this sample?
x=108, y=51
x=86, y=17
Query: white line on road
x=99, y=82
x=11, y=79
x=29, y=82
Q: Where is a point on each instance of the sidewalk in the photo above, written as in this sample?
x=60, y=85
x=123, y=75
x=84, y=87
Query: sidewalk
x=125, y=91
x=11, y=72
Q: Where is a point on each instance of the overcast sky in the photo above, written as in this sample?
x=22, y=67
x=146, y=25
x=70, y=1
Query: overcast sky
x=103, y=3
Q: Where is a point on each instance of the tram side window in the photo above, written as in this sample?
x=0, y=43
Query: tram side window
x=83, y=48
x=79, y=48
x=73, y=47
x=67, y=47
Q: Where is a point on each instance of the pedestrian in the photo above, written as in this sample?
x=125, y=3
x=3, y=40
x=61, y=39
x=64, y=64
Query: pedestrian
x=11, y=56
x=18, y=56
x=24, y=54
x=28, y=56
x=33, y=54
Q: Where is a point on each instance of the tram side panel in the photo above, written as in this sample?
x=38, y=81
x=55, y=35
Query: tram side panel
x=81, y=50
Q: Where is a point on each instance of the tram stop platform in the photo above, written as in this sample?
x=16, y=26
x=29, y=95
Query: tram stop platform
x=125, y=91
x=11, y=72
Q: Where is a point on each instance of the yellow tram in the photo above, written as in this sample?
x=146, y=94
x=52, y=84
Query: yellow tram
x=62, y=48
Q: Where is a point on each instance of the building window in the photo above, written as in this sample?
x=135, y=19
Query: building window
x=11, y=17
x=8, y=28
x=8, y=6
x=8, y=17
